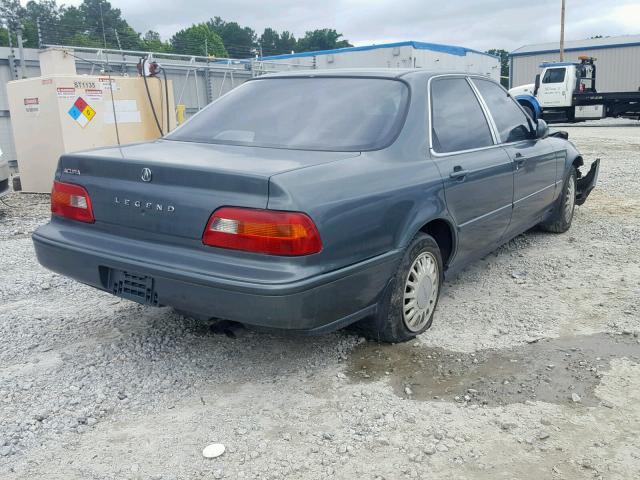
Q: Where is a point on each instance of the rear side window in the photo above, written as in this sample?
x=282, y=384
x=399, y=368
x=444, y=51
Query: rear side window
x=511, y=121
x=307, y=113
x=458, y=122
x=554, y=75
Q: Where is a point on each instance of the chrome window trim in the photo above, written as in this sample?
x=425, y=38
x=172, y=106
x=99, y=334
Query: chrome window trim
x=526, y=117
x=490, y=123
x=487, y=113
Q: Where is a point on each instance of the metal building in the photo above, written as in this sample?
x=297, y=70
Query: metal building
x=410, y=54
x=618, y=61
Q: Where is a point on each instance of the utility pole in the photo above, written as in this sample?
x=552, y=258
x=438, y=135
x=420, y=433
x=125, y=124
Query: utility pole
x=123, y=66
x=562, y=32
x=40, y=42
x=23, y=71
x=12, y=55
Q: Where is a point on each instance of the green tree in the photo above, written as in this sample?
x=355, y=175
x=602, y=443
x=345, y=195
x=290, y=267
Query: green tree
x=95, y=13
x=240, y=42
x=153, y=43
x=324, y=39
x=287, y=43
x=46, y=12
x=198, y=39
x=504, y=64
x=274, y=43
x=269, y=41
x=11, y=12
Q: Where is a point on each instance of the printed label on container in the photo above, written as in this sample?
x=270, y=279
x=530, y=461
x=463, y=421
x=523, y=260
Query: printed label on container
x=66, y=92
x=32, y=106
x=106, y=83
x=126, y=112
x=93, y=94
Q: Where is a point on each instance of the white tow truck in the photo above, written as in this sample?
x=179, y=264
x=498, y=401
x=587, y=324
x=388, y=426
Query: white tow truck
x=566, y=92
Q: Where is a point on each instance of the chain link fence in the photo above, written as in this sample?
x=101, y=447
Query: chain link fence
x=198, y=79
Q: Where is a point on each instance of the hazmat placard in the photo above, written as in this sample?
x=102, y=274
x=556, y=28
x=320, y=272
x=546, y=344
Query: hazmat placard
x=81, y=112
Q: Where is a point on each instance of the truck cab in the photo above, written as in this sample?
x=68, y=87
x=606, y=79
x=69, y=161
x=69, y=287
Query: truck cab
x=554, y=89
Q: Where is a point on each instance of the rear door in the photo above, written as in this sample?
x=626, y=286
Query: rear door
x=477, y=173
x=534, y=159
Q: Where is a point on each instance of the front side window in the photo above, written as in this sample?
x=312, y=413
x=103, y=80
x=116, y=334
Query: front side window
x=306, y=113
x=554, y=75
x=458, y=122
x=510, y=120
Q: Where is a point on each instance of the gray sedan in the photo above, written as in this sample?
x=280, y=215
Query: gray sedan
x=315, y=200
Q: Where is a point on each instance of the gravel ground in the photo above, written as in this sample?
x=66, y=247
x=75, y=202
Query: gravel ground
x=530, y=370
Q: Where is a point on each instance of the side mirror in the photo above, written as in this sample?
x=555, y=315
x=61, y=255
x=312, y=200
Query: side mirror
x=536, y=85
x=542, y=129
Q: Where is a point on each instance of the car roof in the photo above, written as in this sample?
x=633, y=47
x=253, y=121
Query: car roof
x=363, y=72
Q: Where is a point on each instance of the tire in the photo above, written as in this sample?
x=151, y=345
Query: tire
x=562, y=216
x=394, y=323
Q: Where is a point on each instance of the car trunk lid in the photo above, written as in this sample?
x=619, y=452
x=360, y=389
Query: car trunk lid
x=171, y=188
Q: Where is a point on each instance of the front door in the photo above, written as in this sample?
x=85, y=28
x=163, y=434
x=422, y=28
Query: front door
x=554, y=90
x=534, y=181
x=534, y=160
x=477, y=174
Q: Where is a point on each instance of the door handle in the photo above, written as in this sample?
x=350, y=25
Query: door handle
x=520, y=159
x=458, y=173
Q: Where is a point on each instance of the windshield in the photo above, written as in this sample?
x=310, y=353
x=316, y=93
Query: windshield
x=321, y=113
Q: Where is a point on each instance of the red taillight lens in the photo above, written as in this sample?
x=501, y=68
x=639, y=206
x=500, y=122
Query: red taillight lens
x=262, y=231
x=71, y=201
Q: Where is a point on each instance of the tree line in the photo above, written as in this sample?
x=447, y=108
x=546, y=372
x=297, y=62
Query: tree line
x=95, y=23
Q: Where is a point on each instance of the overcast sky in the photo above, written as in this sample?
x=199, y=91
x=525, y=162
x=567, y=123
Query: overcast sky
x=479, y=24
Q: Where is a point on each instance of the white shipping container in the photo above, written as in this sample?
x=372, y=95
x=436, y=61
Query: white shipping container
x=410, y=54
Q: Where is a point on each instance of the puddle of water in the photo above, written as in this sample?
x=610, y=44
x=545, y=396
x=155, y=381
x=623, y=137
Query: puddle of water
x=550, y=370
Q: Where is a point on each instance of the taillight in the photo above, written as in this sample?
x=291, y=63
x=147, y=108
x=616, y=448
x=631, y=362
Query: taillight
x=71, y=201
x=262, y=231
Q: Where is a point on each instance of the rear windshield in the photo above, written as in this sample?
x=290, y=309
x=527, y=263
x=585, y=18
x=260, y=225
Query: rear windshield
x=321, y=113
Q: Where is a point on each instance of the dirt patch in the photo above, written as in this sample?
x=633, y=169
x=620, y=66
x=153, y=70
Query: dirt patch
x=561, y=370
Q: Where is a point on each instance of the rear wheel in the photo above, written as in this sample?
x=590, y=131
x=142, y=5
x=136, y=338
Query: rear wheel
x=409, y=302
x=562, y=216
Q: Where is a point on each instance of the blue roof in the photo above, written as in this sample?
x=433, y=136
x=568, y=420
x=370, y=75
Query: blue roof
x=436, y=47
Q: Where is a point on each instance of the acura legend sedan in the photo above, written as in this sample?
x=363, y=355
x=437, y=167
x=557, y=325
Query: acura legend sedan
x=314, y=200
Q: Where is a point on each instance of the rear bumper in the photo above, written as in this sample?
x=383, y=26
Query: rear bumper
x=313, y=305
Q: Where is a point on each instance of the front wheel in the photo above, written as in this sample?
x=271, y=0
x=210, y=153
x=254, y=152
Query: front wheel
x=409, y=302
x=562, y=216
